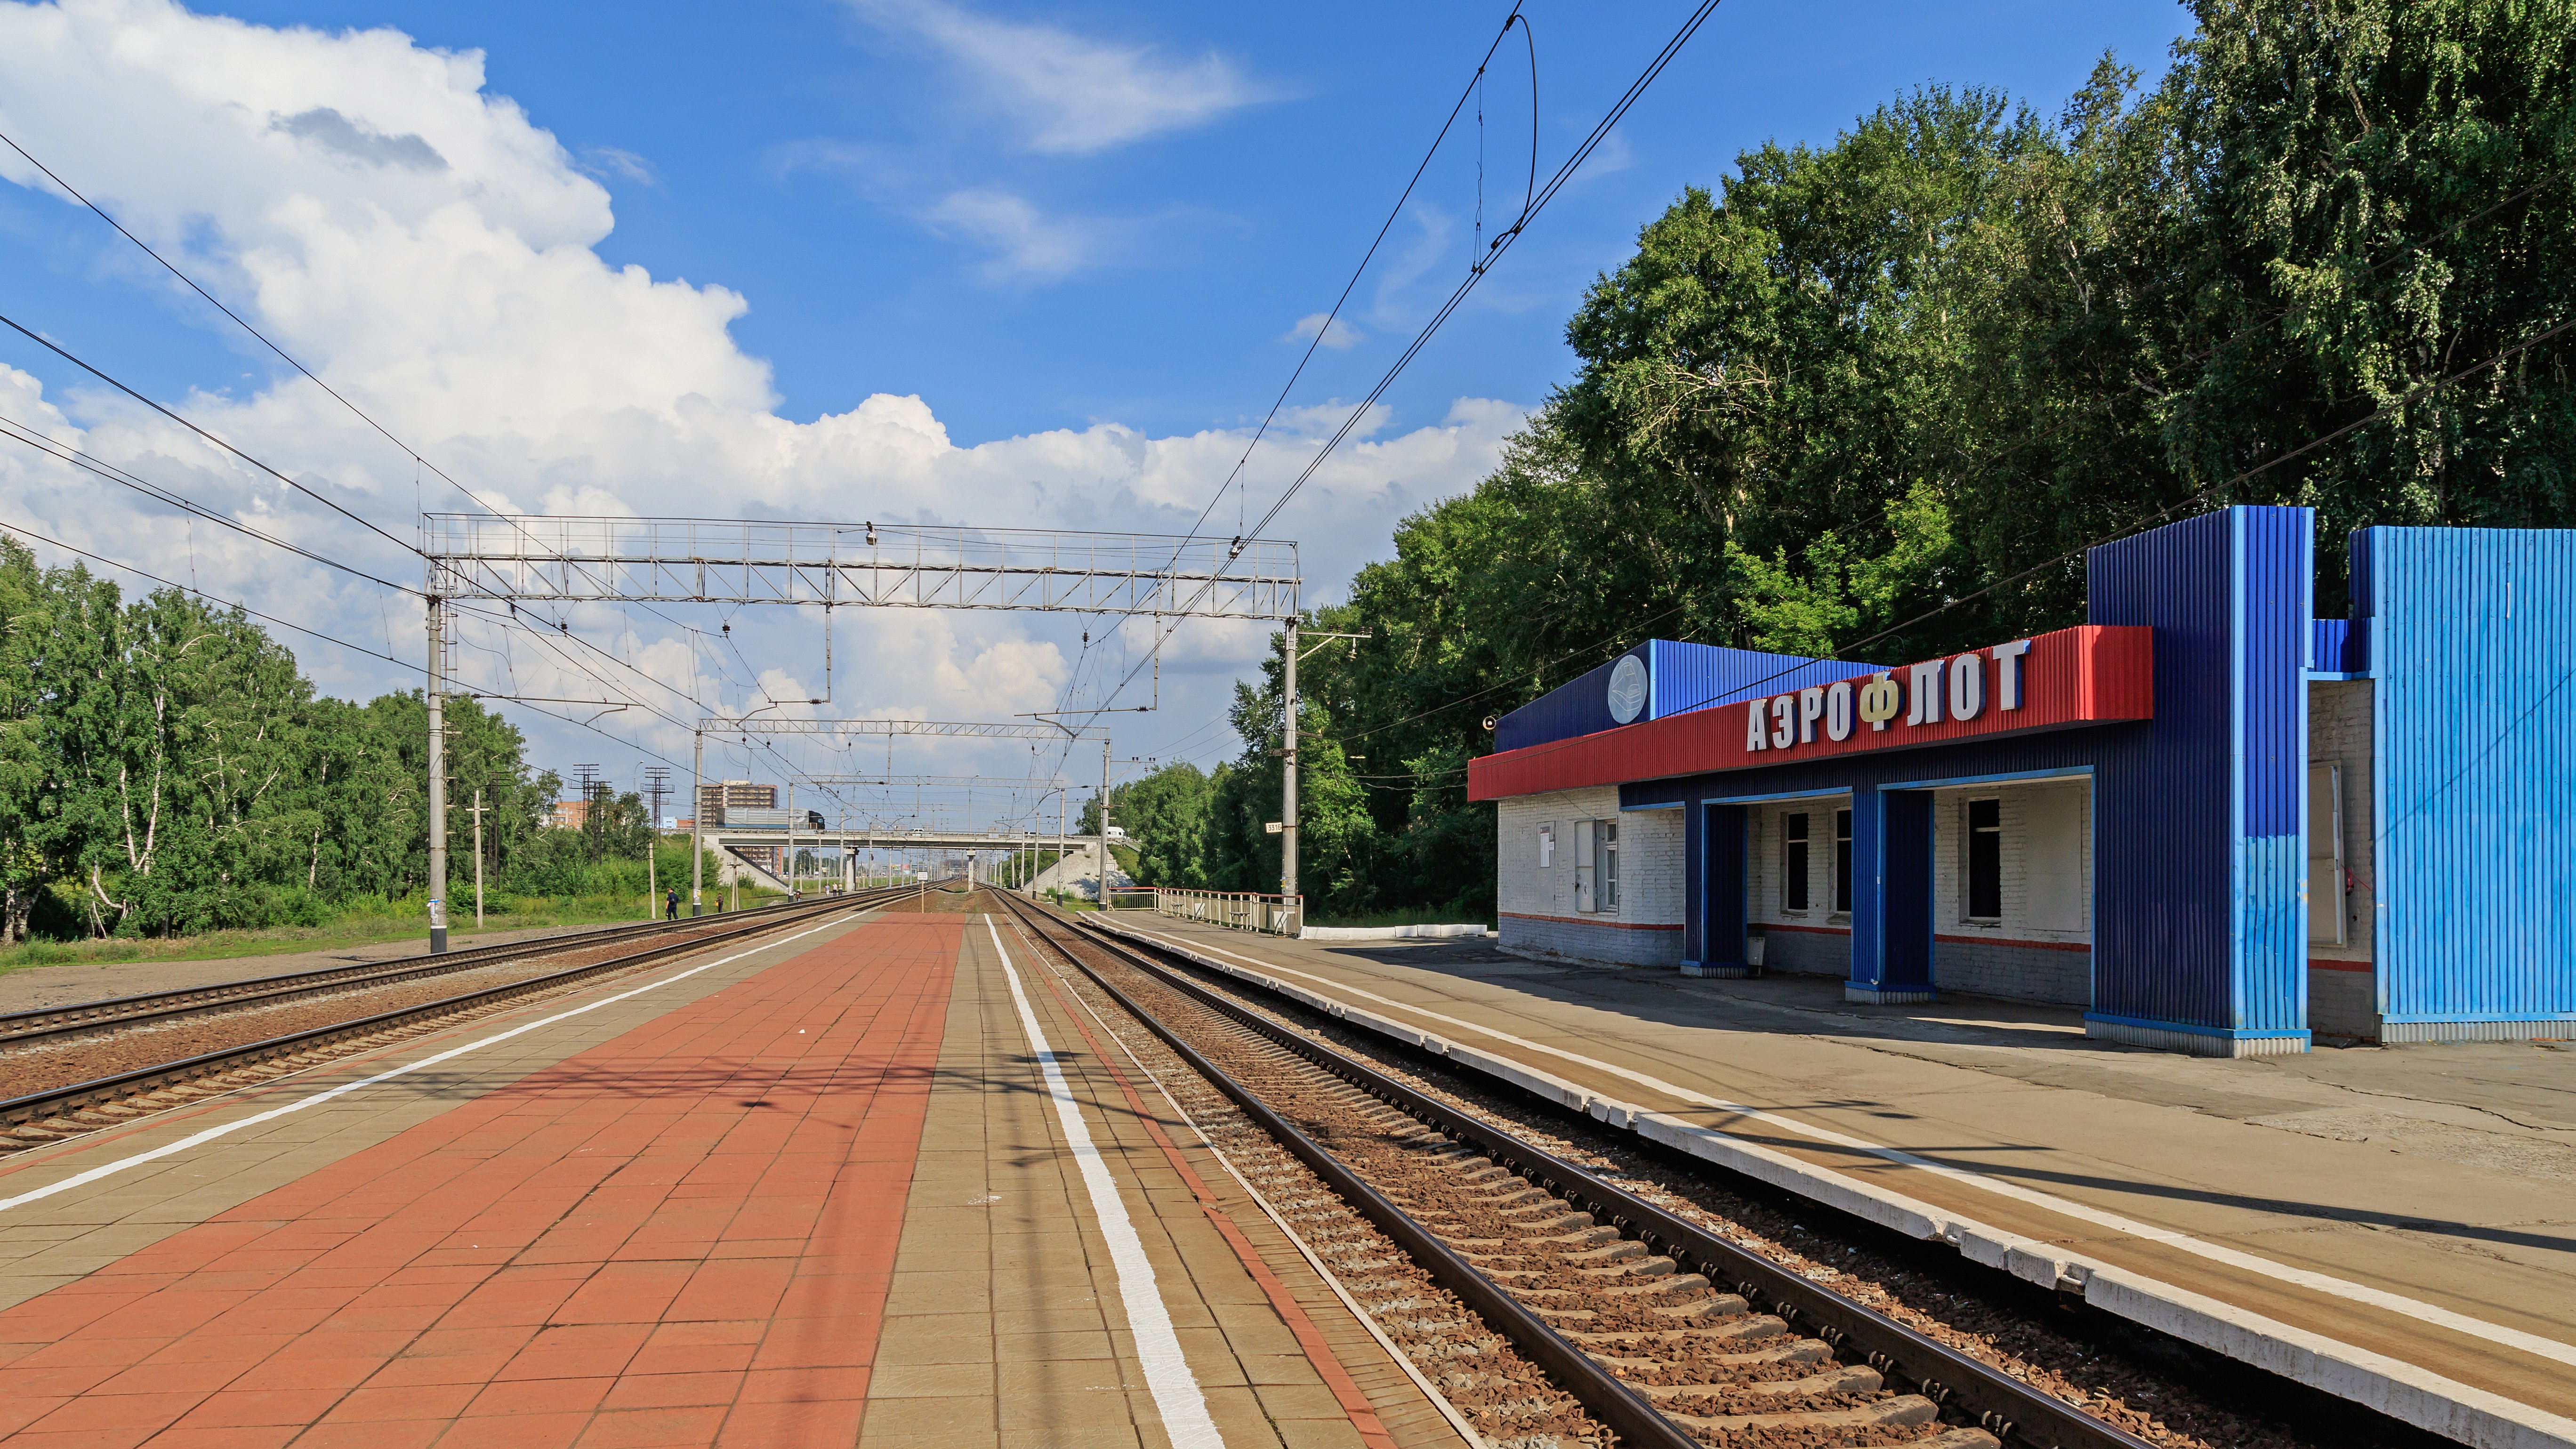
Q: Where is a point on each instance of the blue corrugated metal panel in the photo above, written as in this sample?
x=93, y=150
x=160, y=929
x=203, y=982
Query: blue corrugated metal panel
x=1688, y=677
x=2474, y=778
x=2163, y=869
x=2277, y=581
x=1580, y=706
x=2342, y=646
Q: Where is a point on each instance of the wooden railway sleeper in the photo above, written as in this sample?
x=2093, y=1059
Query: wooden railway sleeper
x=2060, y=1424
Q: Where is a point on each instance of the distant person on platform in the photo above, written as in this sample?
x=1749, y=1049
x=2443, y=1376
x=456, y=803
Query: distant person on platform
x=671, y=907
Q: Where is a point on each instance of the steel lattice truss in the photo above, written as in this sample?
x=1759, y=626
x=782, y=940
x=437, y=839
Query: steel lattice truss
x=1002, y=783
x=949, y=728
x=544, y=559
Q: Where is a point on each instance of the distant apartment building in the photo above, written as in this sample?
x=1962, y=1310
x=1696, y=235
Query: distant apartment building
x=569, y=814
x=715, y=795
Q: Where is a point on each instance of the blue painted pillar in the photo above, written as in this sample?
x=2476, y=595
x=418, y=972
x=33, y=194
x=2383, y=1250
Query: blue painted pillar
x=1891, y=917
x=2200, y=896
x=1714, y=930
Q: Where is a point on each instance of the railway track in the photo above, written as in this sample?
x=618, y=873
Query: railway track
x=48, y=1114
x=1561, y=1308
x=84, y=1018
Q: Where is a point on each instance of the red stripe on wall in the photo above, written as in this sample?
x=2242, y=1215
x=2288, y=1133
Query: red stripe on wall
x=2025, y=945
x=1594, y=921
x=1955, y=940
x=2316, y=965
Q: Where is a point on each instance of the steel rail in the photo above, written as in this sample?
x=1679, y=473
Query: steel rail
x=1602, y=1394
x=2013, y=1411
x=107, y=1013
x=55, y=1102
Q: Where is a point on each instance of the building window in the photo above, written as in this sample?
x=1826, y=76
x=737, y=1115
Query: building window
x=1842, y=861
x=1793, y=863
x=1985, y=860
x=1605, y=863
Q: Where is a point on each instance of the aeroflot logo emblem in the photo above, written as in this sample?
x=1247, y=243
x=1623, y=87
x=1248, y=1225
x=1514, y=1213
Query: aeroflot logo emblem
x=1950, y=688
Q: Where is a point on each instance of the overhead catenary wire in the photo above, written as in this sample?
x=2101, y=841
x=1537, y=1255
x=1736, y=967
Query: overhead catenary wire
x=9, y=526
x=1332, y=316
x=64, y=452
x=2136, y=525
x=1531, y=207
x=218, y=440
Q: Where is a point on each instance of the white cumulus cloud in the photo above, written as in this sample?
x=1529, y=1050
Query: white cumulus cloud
x=1329, y=330
x=1070, y=94
x=430, y=252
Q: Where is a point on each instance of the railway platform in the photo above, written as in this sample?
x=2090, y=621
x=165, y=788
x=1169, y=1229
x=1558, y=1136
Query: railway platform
x=871, y=1181
x=2396, y=1226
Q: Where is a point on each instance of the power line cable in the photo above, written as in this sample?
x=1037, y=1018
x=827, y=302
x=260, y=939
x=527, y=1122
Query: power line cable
x=2150, y=520
x=64, y=452
x=20, y=528
x=324, y=499
x=1557, y=181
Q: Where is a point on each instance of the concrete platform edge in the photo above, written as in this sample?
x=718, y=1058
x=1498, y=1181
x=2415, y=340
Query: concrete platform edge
x=2401, y=1390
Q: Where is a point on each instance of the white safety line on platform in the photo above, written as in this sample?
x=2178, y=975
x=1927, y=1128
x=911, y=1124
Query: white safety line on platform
x=1394, y=1352
x=2416, y=1308
x=1167, y=1373
x=169, y=1149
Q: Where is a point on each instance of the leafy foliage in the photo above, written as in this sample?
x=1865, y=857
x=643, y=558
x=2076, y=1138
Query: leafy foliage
x=1874, y=399
x=165, y=770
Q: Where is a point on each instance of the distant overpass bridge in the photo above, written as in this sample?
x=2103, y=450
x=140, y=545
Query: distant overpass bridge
x=733, y=837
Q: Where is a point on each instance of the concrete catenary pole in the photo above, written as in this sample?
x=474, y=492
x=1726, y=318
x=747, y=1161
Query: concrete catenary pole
x=437, y=777
x=1104, y=825
x=1288, y=773
x=478, y=857
x=790, y=861
x=697, y=817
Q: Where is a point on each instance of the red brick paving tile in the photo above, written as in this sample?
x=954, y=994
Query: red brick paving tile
x=118, y=1411
x=780, y=1386
x=570, y=1363
x=766, y=1426
x=114, y=1351
x=288, y=1371
x=666, y=1391
x=626, y=1293
x=380, y=1402
x=640, y=1428
x=674, y=1237
x=18, y=1410
x=371, y=1435
x=82, y=1439
x=541, y=1396
x=262, y=1406
x=64, y=1380
x=445, y=1368
x=739, y=1288
x=516, y=1431
x=237, y=1348
x=253, y=1436
x=172, y=1378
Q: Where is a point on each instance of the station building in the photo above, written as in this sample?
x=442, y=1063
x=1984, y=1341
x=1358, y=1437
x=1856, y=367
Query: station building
x=2216, y=823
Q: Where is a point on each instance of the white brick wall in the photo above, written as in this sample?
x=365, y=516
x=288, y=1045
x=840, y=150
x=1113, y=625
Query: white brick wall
x=2339, y=733
x=1538, y=904
x=2068, y=849
x=2047, y=838
x=2346, y=1003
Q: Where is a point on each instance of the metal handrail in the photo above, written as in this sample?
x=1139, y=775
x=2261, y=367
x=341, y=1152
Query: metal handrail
x=1273, y=915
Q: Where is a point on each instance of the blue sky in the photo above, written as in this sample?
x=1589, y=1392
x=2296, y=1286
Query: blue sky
x=1081, y=236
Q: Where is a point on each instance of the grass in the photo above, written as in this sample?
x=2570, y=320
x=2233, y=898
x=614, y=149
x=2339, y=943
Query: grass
x=359, y=926
x=1125, y=855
